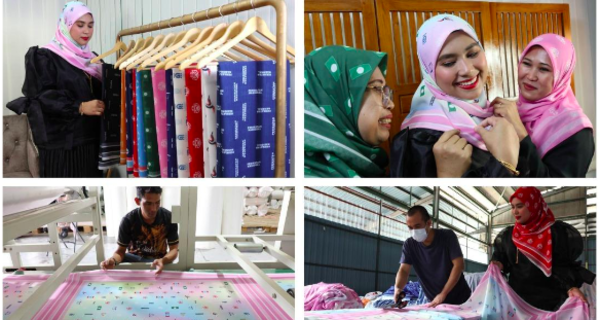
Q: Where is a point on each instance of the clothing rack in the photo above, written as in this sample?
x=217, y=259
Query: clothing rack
x=281, y=32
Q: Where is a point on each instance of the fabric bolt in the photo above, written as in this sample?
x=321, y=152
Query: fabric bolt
x=110, y=125
x=492, y=299
x=149, y=124
x=193, y=99
x=181, y=124
x=159, y=88
x=335, y=80
x=209, y=120
x=129, y=120
x=171, y=135
x=140, y=126
x=534, y=239
x=64, y=46
x=330, y=296
x=554, y=118
x=431, y=108
x=123, y=127
x=246, y=119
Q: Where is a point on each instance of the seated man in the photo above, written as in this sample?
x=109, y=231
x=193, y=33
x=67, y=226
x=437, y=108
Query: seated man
x=146, y=231
x=437, y=259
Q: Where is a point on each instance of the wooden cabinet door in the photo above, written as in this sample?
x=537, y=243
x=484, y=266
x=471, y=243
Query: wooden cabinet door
x=340, y=22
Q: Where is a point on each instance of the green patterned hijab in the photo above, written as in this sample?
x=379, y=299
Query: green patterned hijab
x=335, y=80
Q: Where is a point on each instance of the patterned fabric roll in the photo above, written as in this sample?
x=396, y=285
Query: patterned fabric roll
x=194, y=121
x=123, y=126
x=171, y=136
x=111, y=118
x=129, y=121
x=149, y=124
x=160, y=116
x=180, y=124
x=209, y=120
x=141, y=137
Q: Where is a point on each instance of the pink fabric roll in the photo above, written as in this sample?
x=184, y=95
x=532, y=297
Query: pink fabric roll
x=160, y=115
x=330, y=296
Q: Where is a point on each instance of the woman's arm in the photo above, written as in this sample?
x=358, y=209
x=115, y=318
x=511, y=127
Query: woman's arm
x=566, y=270
x=500, y=251
x=570, y=158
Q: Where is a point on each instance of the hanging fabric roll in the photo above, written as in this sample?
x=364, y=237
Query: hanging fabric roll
x=129, y=122
x=160, y=116
x=149, y=124
x=246, y=120
x=111, y=118
x=194, y=122
x=180, y=124
x=171, y=137
x=209, y=120
x=123, y=126
x=141, y=137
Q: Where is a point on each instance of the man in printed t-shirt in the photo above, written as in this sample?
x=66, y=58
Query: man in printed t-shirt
x=145, y=233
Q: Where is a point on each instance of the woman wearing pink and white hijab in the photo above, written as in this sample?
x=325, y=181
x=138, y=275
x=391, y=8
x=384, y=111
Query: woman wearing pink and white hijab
x=439, y=136
x=62, y=92
x=556, y=137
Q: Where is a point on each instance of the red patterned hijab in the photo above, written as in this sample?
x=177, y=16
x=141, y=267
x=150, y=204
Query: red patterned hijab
x=534, y=239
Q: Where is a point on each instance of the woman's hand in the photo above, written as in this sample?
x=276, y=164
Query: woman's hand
x=92, y=108
x=575, y=292
x=507, y=109
x=498, y=264
x=501, y=139
x=452, y=155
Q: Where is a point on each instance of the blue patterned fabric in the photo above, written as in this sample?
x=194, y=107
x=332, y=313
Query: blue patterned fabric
x=128, y=121
x=141, y=143
x=171, y=137
x=246, y=108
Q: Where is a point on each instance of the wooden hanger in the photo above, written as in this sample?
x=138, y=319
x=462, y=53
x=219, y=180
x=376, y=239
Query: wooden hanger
x=118, y=46
x=188, y=35
x=141, y=42
x=216, y=32
x=264, y=30
x=154, y=43
x=169, y=38
x=232, y=31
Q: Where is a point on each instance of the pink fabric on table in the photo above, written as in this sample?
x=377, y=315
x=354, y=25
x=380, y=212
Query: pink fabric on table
x=193, y=97
x=492, y=299
x=330, y=296
x=159, y=86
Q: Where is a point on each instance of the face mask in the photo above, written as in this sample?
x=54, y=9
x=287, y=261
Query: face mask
x=419, y=234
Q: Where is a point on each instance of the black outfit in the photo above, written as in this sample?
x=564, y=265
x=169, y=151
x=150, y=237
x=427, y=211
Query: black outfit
x=570, y=158
x=529, y=282
x=54, y=90
x=148, y=240
x=412, y=156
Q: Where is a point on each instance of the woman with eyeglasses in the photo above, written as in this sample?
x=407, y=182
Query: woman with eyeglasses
x=444, y=133
x=347, y=113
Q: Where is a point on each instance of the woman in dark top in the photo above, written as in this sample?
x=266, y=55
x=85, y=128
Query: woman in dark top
x=539, y=254
x=62, y=91
x=440, y=137
x=557, y=138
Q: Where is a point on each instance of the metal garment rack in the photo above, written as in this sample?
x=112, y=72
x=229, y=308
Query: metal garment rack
x=281, y=32
x=17, y=224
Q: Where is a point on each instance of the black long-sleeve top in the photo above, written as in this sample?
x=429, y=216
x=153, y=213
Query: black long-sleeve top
x=54, y=90
x=412, y=156
x=529, y=282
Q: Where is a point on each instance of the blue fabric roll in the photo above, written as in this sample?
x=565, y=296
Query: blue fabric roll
x=171, y=137
x=141, y=143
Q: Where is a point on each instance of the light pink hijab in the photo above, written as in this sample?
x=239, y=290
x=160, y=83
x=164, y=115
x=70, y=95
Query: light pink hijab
x=432, y=108
x=63, y=45
x=558, y=116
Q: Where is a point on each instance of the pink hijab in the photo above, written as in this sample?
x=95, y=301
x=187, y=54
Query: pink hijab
x=558, y=116
x=432, y=108
x=63, y=45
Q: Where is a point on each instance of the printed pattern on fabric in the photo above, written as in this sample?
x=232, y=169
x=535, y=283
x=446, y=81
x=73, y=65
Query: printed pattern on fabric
x=149, y=124
x=123, y=126
x=140, y=132
x=181, y=124
x=171, y=135
x=110, y=124
x=193, y=96
x=246, y=108
x=492, y=299
x=209, y=120
x=160, y=116
x=124, y=294
x=129, y=121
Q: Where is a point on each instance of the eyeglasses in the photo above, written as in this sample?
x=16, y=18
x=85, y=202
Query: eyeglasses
x=386, y=94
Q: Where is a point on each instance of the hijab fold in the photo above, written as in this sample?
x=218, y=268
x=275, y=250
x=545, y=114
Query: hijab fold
x=63, y=44
x=534, y=239
x=432, y=108
x=554, y=118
